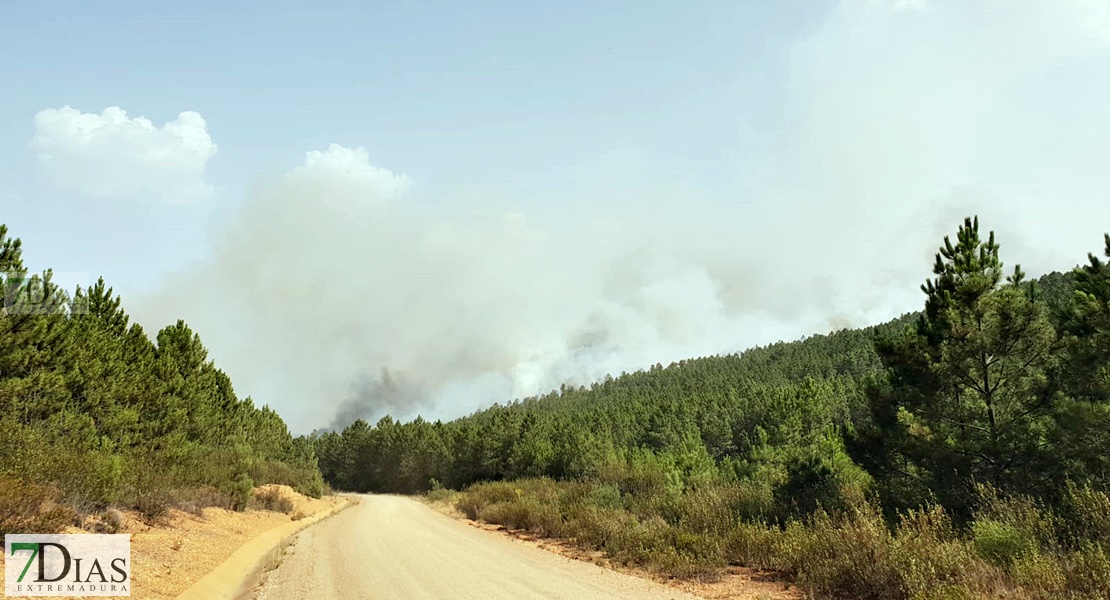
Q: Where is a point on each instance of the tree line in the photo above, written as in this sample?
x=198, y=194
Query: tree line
x=94, y=413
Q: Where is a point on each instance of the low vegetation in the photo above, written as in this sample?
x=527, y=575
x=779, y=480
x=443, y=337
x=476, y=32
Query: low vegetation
x=272, y=499
x=94, y=414
x=1011, y=549
x=958, y=452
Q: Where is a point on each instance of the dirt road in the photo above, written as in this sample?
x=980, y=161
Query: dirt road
x=397, y=548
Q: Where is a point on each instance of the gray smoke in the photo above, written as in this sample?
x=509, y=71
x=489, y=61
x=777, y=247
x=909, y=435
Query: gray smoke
x=371, y=396
x=333, y=293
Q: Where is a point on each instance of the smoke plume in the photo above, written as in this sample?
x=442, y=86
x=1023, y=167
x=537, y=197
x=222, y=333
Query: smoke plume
x=332, y=294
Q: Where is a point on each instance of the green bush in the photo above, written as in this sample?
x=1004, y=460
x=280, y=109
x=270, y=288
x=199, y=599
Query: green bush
x=531, y=504
x=629, y=540
x=592, y=527
x=241, y=489
x=148, y=486
x=484, y=494
x=512, y=514
x=754, y=501
x=605, y=496
x=1032, y=523
x=442, y=495
x=1001, y=543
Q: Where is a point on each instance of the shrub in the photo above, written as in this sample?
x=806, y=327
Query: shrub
x=1033, y=524
x=1040, y=573
x=843, y=556
x=271, y=499
x=630, y=540
x=933, y=562
x=442, y=495
x=605, y=496
x=241, y=489
x=1001, y=543
x=511, y=514
x=592, y=527
x=754, y=501
x=148, y=485
x=483, y=494
x=304, y=480
x=1087, y=572
x=754, y=545
x=202, y=497
x=826, y=480
x=711, y=510
x=30, y=508
x=1084, y=516
x=1009, y=551
x=531, y=504
x=151, y=504
x=113, y=521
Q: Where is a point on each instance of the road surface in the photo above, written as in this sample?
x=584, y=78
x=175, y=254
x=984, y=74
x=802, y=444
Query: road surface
x=397, y=548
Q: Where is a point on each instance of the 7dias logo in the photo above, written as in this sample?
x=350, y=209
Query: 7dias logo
x=67, y=565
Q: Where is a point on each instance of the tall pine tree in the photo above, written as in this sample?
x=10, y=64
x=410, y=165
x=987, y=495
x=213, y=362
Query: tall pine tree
x=968, y=394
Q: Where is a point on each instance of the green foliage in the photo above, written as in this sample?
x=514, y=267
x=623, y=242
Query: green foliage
x=91, y=408
x=824, y=480
x=1001, y=543
x=240, y=490
x=683, y=425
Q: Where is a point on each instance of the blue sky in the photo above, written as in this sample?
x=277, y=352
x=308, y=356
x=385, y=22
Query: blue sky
x=487, y=199
x=509, y=100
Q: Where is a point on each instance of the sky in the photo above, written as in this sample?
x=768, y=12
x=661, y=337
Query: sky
x=428, y=207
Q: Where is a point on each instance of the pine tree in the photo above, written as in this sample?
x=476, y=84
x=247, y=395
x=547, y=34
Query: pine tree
x=968, y=395
x=1084, y=418
x=33, y=332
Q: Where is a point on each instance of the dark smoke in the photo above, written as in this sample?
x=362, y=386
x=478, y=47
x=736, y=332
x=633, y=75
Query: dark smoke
x=371, y=398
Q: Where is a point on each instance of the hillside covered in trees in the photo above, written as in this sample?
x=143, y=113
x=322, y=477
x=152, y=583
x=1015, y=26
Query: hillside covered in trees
x=93, y=413
x=962, y=451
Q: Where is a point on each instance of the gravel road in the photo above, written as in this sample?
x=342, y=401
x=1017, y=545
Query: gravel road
x=397, y=548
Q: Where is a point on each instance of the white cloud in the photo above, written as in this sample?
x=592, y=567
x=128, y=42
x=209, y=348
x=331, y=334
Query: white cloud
x=113, y=156
x=352, y=167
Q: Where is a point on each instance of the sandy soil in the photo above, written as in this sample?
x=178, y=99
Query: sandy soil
x=399, y=548
x=735, y=583
x=182, y=547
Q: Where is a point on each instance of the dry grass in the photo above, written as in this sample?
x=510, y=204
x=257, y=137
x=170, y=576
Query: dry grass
x=31, y=508
x=273, y=498
x=1015, y=549
x=181, y=547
